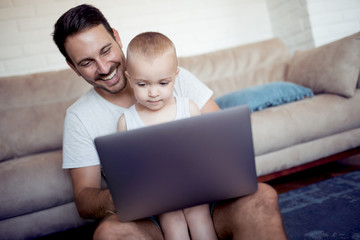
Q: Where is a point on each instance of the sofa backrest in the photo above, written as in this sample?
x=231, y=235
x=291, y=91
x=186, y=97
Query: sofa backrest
x=32, y=107
x=32, y=111
x=238, y=67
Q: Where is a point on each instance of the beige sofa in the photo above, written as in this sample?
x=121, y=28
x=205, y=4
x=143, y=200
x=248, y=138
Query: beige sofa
x=301, y=132
x=36, y=194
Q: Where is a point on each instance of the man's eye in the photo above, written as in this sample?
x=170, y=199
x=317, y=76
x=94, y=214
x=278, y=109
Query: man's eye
x=106, y=51
x=85, y=63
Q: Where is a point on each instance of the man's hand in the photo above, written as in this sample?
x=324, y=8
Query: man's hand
x=91, y=201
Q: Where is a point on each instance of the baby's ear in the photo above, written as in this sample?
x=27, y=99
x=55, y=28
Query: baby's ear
x=177, y=70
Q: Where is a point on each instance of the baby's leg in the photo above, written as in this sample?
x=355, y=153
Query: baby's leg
x=200, y=222
x=174, y=225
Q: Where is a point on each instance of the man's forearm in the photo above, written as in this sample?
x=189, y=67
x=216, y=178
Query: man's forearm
x=94, y=203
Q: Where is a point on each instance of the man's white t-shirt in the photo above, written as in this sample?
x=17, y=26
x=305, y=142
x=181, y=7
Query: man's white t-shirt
x=92, y=116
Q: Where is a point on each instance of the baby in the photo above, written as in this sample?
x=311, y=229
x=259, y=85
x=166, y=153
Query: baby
x=151, y=70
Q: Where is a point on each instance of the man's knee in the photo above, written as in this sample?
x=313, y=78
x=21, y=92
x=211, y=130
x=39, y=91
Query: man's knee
x=265, y=200
x=103, y=231
x=267, y=193
x=108, y=230
x=112, y=229
x=241, y=216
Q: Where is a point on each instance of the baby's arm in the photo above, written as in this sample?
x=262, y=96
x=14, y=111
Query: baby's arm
x=121, y=127
x=194, y=109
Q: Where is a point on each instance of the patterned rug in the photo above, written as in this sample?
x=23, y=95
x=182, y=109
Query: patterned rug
x=326, y=210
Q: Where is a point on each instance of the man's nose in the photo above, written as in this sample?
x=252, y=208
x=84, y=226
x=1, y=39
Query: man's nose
x=103, y=67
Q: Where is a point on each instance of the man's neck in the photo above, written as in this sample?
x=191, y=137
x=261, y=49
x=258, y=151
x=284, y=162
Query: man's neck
x=124, y=99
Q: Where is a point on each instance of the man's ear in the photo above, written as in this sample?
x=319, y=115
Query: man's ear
x=73, y=68
x=117, y=37
x=127, y=75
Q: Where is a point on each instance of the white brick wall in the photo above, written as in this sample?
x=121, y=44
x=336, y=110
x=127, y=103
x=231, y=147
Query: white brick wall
x=333, y=19
x=290, y=21
x=195, y=26
x=303, y=24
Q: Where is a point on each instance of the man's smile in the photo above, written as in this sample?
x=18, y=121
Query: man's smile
x=110, y=76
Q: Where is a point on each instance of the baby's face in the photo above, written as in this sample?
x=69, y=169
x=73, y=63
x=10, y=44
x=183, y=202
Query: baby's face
x=153, y=79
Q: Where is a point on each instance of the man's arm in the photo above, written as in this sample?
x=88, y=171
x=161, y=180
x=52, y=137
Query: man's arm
x=210, y=106
x=91, y=201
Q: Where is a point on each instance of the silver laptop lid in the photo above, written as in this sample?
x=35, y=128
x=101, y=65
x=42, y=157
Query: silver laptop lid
x=179, y=164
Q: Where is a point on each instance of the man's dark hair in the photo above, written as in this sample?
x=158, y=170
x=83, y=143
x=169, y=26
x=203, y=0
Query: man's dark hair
x=75, y=20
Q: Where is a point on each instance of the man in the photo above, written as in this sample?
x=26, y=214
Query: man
x=94, y=51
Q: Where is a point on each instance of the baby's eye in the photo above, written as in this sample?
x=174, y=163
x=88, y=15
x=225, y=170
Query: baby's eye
x=164, y=83
x=141, y=84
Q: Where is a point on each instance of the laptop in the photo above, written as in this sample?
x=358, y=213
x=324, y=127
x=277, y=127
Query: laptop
x=179, y=164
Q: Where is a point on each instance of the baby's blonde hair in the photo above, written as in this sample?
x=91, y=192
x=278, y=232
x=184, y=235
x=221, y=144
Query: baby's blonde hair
x=150, y=45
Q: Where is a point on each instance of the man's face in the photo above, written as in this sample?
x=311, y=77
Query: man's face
x=98, y=58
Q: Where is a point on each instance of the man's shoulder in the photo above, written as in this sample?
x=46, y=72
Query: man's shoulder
x=184, y=72
x=184, y=78
x=88, y=111
x=84, y=102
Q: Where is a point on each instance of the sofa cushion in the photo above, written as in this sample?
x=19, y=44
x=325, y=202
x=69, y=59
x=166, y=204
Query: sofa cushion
x=33, y=183
x=306, y=152
x=264, y=96
x=41, y=223
x=331, y=68
x=32, y=111
x=239, y=67
x=302, y=121
x=33, y=129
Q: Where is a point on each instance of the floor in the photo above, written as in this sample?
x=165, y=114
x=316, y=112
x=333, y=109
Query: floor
x=316, y=174
x=281, y=185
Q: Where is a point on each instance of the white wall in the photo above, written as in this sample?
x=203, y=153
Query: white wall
x=303, y=24
x=290, y=21
x=333, y=19
x=195, y=26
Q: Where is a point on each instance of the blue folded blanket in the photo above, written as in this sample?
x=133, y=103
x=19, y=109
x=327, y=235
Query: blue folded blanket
x=264, y=96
